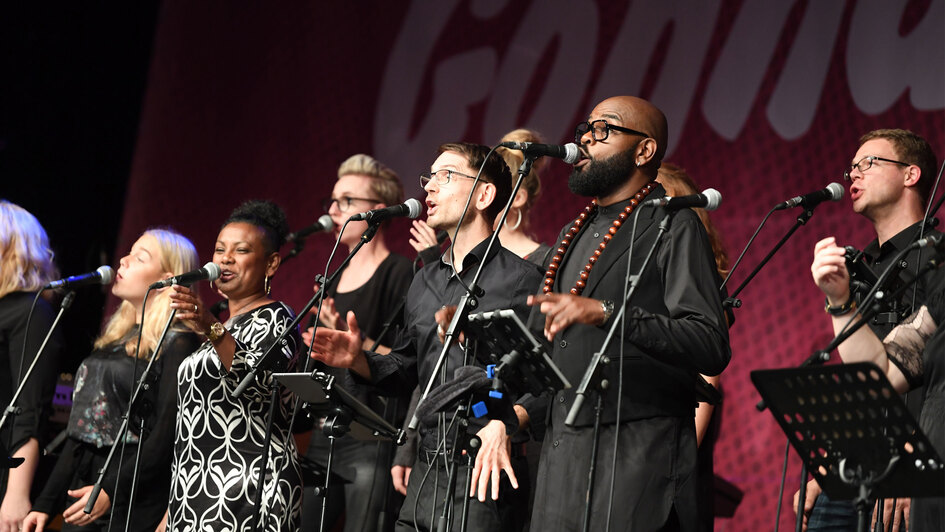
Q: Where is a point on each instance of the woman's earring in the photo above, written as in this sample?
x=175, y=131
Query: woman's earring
x=517, y=223
x=267, y=284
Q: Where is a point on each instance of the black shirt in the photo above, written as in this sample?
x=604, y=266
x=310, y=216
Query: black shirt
x=97, y=414
x=375, y=302
x=877, y=258
x=36, y=397
x=506, y=281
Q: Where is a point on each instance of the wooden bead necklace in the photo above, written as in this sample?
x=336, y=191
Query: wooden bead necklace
x=576, y=228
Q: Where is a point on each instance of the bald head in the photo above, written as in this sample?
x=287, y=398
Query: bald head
x=639, y=114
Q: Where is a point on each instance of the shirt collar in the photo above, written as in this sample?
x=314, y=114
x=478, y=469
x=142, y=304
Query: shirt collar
x=474, y=256
x=898, y=242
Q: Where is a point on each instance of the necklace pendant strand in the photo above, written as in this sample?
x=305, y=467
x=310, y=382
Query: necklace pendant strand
x=576, y=228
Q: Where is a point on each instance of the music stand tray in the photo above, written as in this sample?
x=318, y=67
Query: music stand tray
x=520, y=359
x=853, y=431
x=321, y=391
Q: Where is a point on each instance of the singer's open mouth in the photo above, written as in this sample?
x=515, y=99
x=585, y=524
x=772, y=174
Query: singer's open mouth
x=855, y=193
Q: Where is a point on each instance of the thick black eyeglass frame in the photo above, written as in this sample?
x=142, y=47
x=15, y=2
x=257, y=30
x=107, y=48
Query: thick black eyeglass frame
x=584, y=127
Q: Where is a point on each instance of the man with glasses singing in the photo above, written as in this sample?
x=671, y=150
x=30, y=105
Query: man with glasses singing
x=506, y=281
x=890, y=179
x=674, y=330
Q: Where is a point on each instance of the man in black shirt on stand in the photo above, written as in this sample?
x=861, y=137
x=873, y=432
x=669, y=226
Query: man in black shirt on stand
x=675, y=329
x=506, y=281
x=890, y=179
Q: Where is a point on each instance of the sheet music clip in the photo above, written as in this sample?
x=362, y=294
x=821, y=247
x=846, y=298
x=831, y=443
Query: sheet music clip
x=521, y=361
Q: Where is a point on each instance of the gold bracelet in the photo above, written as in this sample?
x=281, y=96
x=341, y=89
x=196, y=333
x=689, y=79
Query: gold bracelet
x=845, y=308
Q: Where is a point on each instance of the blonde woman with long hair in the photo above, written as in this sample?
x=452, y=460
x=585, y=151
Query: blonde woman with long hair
x=103, y=388
x=26, y=265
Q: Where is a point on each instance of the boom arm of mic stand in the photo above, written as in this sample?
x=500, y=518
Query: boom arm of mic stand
x=268, y=357
x=599, y=358
x=803, y=218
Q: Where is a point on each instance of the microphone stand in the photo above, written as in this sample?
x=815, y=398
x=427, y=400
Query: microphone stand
x=123, y=429
x=592, y=374
x=732, y=300
x=12, y=409
x=467, y=302
x=268, y=360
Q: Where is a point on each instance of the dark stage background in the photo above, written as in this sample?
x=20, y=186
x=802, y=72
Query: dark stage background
x=766, y=100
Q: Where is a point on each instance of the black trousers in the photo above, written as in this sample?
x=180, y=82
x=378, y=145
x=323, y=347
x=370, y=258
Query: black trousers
x=654, y=486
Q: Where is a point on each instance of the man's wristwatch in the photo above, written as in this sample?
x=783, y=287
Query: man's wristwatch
x=216, y=332
x=608, y=308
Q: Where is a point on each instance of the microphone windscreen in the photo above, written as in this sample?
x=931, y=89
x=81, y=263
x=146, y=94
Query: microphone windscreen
x=213, y=271
x=571, y=153
x=413, y=208
x=835, y=190
x=713, y=199
x=107, y=274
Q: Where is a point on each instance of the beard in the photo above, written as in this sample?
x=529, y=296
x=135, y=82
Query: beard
x=601, y=177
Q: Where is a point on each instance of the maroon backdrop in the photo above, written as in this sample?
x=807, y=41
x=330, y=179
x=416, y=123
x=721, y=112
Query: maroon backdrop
x=766, y=100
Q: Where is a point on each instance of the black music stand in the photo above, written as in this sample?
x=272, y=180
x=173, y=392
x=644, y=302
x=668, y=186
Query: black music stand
x=344, y=411
x=322, y=393
x=520, y=360
x=853, y=432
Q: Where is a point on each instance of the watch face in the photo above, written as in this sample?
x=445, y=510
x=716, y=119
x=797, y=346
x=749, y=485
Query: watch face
x=216, y=331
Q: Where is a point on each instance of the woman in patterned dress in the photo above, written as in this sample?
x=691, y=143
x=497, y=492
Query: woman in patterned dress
x=219, y=443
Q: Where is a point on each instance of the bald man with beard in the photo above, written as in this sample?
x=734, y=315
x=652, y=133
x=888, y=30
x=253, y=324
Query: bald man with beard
x=674, y=330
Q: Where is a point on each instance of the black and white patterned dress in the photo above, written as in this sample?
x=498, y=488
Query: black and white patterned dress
x=219, y=441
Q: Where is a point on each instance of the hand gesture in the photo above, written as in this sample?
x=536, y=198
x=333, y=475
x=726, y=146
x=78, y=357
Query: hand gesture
x=493, y=458
x=341, y=349
x=563, y=310
x=401, y=477
x=75, y=514
x=190, y=309
x=830, y=271
x=422, y=236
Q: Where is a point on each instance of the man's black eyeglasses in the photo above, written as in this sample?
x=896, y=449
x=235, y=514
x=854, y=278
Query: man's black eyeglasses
x=600, y=130
x=866, y=163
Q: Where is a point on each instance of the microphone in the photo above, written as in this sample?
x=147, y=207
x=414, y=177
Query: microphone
x=833, y=192
x=569, y=152
x=324, y=224
x=710, y=199
x=103, y=275
x=410, y=208
x=210, y=272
